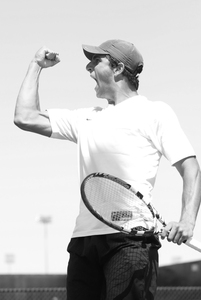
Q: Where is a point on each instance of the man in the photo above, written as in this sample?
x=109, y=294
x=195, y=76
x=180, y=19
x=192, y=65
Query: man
x=126, y=139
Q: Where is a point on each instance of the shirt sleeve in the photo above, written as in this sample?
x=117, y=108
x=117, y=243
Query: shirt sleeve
x=65, y=123
x=174, y=144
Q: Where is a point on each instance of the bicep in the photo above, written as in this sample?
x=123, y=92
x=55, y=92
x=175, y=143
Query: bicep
x=37, y=122
x=191, y=196
x=43, y=126
x=188, y=168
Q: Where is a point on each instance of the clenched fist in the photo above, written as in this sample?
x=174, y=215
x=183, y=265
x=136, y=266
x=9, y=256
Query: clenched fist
x=46, y=58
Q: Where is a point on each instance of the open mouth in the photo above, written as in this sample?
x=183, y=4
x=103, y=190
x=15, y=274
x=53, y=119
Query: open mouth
x=95, y=81
x=93, y=78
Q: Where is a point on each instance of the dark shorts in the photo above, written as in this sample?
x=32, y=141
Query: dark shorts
x=112, y=267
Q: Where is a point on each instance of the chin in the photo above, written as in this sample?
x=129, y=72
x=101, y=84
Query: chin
x=100, y=96
x=100, y=93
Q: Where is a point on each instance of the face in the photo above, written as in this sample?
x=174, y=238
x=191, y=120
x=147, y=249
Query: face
x=101, y=71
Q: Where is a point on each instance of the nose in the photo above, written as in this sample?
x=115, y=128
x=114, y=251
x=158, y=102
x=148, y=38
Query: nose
x=90, y=67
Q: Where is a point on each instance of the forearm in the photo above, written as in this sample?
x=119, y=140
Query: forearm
x=191, y=196
x=28, y=115
x=28, y=97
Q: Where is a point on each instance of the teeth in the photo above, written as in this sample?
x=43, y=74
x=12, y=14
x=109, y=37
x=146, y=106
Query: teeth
x=93, y=78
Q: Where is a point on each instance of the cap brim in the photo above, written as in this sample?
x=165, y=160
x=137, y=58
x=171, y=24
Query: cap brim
x=90, y=51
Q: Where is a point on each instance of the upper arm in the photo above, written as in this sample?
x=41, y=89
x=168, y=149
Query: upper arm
x=191, y=196
x=188, y=167
x=35, y=121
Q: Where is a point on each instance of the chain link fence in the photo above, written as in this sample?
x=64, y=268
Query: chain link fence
x=33, y=294
x=178, y=293
x=163, y=293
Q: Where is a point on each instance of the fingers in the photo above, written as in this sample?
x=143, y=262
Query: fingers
x=53, y=56
x=177, y=232
x=46, y=58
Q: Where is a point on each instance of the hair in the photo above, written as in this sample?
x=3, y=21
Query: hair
x=131, y=76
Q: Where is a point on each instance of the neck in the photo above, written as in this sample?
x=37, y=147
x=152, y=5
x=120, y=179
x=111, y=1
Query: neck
x=122, y=96
x=123, y=90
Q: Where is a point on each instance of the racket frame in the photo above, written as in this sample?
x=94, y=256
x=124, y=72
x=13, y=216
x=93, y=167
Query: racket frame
x=192, y=243
x=126, y=185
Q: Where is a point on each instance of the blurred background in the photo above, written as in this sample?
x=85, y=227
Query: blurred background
x=39, y=187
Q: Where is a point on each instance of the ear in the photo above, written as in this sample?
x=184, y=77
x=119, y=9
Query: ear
x=118, y=70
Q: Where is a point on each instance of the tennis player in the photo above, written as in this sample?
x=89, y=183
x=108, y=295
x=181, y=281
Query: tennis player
x=126, y=139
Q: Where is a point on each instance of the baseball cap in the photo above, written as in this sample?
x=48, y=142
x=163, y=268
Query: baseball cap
x=121, y=50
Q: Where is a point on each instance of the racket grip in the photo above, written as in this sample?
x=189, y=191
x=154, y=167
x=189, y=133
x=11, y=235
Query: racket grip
x=193, y=244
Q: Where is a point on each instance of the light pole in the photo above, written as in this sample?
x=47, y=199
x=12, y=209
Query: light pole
x=9, y=259
x=45, y=220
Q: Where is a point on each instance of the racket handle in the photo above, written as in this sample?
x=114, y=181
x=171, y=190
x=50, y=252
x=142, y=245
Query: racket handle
x=193, y=244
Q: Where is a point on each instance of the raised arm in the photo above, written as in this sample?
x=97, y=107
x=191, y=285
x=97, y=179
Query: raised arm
x=28, y=115
x=178, y=232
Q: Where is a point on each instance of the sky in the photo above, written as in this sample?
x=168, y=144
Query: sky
x=38, y=175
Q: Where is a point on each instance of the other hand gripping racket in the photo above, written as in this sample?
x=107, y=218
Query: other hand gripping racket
x=118, y=205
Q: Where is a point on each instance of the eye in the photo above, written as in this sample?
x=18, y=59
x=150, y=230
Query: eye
x=96, y=59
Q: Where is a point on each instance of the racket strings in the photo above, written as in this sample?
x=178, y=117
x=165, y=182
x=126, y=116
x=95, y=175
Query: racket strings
x=118, y=204
x=99, y=194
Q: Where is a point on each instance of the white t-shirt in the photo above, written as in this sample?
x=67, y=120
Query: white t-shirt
x=126, y=141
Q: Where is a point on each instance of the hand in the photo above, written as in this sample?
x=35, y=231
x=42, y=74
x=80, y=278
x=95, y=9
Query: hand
x=46, y=58
x=177, y=232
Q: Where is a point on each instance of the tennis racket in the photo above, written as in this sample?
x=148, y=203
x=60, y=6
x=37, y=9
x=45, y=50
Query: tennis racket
x=118, y=205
